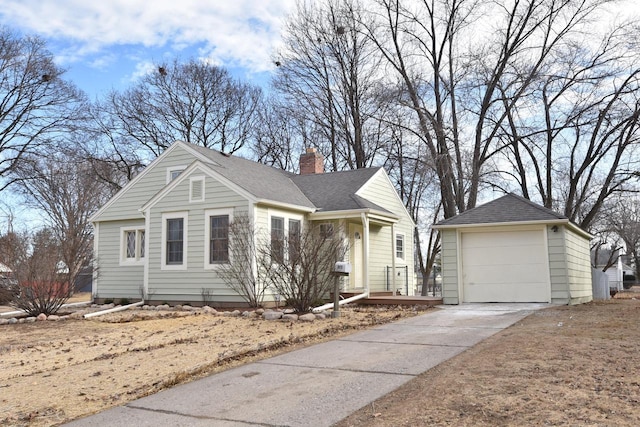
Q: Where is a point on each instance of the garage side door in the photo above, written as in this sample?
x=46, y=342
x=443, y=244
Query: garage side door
x=505, y=266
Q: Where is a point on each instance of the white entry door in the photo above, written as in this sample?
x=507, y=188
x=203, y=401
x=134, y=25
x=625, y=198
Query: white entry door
x=505, y=266
x=355, y=242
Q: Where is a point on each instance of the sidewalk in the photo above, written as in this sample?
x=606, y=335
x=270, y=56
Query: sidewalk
x=324, y=383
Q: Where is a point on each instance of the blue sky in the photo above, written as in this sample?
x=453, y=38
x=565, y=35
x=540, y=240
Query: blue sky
x=109, y=44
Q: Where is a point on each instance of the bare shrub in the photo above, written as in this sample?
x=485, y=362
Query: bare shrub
x=303, y=277
x=242, y=273
x=43, y=281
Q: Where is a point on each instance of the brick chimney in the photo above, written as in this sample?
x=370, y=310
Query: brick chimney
x=311, y=162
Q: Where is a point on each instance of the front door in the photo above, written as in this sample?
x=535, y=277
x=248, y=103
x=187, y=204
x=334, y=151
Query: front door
x=355, y=258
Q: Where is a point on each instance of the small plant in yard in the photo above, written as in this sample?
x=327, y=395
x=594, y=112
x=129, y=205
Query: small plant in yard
x=207, y=295
x=124, y=301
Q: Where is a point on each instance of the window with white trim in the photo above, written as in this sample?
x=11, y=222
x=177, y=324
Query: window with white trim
x=132, y=246
x=174, y=172
x=174, y=238
x=294, y=237
x=400, y=246
x=286, y=233
x=219, y=239
x=216, y=247
x=277, y=239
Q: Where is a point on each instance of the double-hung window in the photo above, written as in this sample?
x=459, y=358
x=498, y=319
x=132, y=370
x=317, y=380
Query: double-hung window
x=286, y=237
x=174, y=238
x=400, y=246
x=277, y=239
x=326, y=230
x=294, y=240
x=218, y=239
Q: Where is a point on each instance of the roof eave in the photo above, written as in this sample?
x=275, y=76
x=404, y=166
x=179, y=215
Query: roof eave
x=559, y=221
x=285, y=205
x=355, y=213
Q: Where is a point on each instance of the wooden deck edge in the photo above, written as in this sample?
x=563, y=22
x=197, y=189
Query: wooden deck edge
x=401, y=301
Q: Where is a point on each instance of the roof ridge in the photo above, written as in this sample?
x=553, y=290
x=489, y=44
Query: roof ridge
x=537, y=206
x=508, y=208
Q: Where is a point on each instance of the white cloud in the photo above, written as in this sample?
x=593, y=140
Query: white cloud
x=240, y=32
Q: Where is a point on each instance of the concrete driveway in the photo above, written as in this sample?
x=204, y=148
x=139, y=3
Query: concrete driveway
x=324, y=383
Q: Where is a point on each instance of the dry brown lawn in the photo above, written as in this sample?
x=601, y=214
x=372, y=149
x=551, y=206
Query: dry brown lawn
x=562, y=366
x=55, y=371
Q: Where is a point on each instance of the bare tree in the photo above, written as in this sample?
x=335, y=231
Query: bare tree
x=416, y=183
x=451, y=68
x=278, y=137
x=581, y=149
x=65, y=189
x=624, y=220
x=194, y=101
x=36, y=104
x=327, y=76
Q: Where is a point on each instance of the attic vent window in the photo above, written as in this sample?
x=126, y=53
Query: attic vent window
x=196, y=190
x=174, y=172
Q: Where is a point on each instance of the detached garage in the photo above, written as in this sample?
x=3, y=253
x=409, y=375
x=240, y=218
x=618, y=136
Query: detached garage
x=513, y=250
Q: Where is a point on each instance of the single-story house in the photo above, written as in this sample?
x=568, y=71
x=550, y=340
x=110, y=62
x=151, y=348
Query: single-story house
x=513, y=250
x=153, y=237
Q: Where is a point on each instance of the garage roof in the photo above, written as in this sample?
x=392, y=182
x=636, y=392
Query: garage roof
x=508, y=208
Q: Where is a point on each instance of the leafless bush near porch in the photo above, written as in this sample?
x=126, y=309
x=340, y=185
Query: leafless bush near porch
x=305, y=276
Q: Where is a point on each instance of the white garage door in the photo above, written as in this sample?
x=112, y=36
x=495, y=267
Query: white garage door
x=505, y=266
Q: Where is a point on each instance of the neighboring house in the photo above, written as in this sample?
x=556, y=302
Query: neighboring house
x=153, y=237
x=513, y=250
x=614, y=272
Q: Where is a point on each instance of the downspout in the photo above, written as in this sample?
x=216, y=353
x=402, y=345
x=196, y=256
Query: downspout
x=365, y=251
x=393, y=258
x=94, y=261
x=147, y=238
x=344, y=301
x=113, y=310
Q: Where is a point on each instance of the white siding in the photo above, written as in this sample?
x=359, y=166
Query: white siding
x=380, y=191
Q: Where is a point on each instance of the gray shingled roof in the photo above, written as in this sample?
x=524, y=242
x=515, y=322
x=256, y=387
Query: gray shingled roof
x=508, y=208
x=262, y=181
x=335, y=191
x=325, y=192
